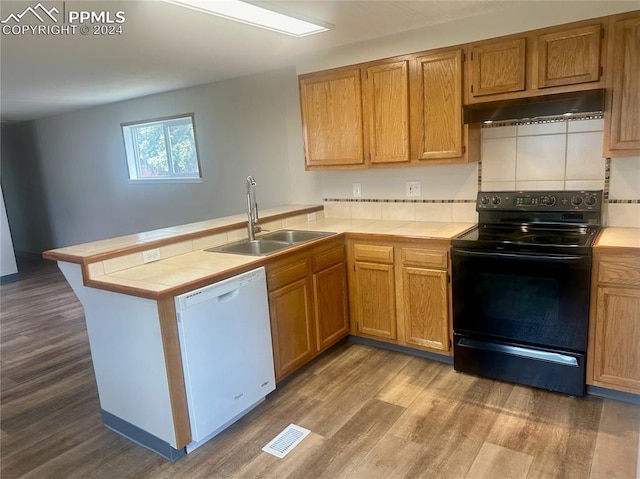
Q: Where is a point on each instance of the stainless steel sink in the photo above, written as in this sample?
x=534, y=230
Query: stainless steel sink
x=257, y=247
x=270, y=242
x=295, y=236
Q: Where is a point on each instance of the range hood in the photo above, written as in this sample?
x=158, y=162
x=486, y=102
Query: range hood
x=591, y=101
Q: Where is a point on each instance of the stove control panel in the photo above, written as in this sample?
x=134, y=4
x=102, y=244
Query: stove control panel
x=540, y=201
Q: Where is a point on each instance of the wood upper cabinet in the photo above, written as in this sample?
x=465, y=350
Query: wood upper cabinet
x=409, y=109
x=498, y=67
x=622, y=116
x=438, y=130
x=400, y=294
x=614, y=328
x=386, y=102
x=559, y=59
x=569, y=57
x=331, y=106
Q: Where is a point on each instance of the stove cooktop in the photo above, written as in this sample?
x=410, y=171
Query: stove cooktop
x=535, y=221
x=532, y=235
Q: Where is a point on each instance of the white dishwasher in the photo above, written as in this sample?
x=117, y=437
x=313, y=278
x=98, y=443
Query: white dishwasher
x=227, y=358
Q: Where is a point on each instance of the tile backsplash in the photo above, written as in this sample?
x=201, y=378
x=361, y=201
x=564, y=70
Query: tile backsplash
x=555, y=155
x=552, y=154
x=560, y=155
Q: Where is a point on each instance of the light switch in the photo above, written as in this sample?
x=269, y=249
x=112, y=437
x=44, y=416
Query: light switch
x=357, y=190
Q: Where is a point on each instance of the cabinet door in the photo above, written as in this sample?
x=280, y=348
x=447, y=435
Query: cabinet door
x=387, y=100
x=624, y=132
x=437, y=98
x=617, y=336
x=332, y=119
x=569, y=57
x=498, y=67
x=375, y=299
x=291, y=326
x=331, y=309
x=425, y=308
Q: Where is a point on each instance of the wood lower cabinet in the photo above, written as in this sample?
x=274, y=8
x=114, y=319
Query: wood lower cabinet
x=399, y=293
x=614, y=328
x=375, y=309
x=330, y=302
x=425, y=309
x=291, y=312
x=622, y=115
x=373, y=284
x=307, y=304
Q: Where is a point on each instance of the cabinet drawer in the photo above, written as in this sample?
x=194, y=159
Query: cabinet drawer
x=624, y=270
x=372, y=252
x=327, y=258
x=425, y=257
x=287, y=273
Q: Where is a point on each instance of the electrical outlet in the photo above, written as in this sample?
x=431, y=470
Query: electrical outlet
x=311, y=217
x=151, y=255
x=413, y=188
x=357, y=190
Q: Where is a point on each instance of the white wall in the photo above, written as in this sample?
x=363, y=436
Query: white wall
x=7, y=257
x=248, y=125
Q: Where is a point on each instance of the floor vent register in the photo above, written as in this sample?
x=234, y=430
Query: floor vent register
x=284, y=442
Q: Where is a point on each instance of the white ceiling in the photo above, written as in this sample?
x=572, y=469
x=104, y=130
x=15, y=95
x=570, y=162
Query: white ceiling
x=165, y=47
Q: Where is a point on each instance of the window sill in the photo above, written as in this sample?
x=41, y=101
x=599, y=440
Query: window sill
x=164, y=180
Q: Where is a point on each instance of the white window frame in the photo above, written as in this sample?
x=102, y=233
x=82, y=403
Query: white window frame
x=131, y=150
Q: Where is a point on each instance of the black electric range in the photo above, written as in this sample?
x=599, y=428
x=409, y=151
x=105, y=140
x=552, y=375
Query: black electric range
x=521, y=284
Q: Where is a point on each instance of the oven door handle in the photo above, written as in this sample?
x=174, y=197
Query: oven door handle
x=559, y=258
x=549, y=356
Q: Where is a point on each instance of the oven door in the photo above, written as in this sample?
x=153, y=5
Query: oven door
x=522, y=317
x=540, y=300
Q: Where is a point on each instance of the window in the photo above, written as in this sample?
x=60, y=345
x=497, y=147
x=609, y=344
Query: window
x=163, y=149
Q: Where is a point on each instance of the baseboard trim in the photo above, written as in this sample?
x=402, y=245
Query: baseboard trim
x=612, y=394
x=9, y=278
x=401, y=349
x=141, y=437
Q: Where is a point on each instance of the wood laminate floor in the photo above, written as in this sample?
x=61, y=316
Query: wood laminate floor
x=373, y=414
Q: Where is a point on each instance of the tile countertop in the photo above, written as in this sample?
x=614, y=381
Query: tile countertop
x=185, y=272
x=85, y=252
x=619, y=238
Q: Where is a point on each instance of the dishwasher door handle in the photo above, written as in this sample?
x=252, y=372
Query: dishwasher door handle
x=230, y=296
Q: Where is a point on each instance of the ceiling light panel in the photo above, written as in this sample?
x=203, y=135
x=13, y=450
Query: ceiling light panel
x=255, y=15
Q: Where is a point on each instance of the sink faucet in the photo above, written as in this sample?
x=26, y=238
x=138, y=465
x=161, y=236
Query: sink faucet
x=252, y=209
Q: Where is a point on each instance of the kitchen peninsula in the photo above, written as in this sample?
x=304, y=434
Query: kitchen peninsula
x=131, y=319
